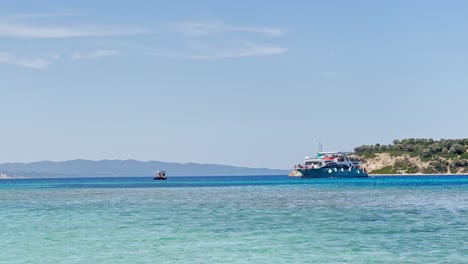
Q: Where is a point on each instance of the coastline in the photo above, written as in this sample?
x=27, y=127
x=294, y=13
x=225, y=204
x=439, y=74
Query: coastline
x=9, y=177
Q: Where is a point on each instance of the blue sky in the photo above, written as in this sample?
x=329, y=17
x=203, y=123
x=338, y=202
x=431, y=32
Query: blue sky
x=248, y=83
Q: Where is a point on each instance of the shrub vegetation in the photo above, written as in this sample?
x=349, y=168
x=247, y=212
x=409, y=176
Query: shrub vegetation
x=445, y=155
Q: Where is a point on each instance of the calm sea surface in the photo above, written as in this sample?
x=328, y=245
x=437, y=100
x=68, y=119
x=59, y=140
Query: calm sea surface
x=268, y=219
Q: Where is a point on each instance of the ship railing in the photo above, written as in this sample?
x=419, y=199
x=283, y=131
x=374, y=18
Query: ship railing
x=300, y=166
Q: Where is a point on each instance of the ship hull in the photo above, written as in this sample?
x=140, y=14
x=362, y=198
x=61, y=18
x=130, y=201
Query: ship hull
x=332, y=173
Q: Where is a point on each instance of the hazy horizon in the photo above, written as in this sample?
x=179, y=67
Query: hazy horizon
x=123, y=160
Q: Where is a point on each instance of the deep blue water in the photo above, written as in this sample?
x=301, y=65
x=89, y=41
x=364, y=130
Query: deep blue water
x=249, y=219
x=224, y=181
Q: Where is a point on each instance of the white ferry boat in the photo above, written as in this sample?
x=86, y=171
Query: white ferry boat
x=329, y=164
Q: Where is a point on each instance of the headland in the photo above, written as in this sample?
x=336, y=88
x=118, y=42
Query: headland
x=415, y=156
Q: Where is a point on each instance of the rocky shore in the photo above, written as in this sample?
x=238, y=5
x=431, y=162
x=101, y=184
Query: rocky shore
x=384, y=163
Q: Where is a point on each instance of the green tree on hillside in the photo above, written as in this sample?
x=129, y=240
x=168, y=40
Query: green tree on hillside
x=457, y=149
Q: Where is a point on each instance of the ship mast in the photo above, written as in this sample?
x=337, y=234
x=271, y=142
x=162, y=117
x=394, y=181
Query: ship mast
x=319, y=150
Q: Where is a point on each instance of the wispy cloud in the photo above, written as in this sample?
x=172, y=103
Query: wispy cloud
x=231, y=50
x=42, y=62
x=94, y=55
x=241, y=49
x=211, y=28
x=20, y=30
x=223, y=41
x=42, y=26
x=219, y=47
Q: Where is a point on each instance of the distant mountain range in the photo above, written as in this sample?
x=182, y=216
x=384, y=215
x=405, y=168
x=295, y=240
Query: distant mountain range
x=125, y=168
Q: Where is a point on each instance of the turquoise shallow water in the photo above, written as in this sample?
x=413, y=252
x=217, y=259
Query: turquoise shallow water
x=235, y=220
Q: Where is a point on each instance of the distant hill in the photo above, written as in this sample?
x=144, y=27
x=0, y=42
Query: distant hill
x=416, y=155
x=125, y=168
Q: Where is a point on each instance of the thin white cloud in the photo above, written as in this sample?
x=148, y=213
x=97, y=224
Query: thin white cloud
x=39, y=26
x=35, y=63
x=20, y=30
x=232, y=50
x=216, y=47
x=94, y=55
x=210, y=50
x=243, y=50
x=212, y=28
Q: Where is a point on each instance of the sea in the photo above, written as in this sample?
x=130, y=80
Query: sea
x=242, y=219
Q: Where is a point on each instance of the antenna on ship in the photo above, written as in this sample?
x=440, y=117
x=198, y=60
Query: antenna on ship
x=319, y=150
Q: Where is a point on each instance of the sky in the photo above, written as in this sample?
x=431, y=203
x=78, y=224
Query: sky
x=243, y=83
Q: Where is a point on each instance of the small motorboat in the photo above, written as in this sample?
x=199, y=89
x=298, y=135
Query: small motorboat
x=160, y=175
